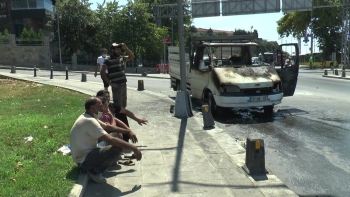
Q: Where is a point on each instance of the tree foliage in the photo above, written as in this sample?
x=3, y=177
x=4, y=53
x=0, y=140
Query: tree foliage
x=325, y=24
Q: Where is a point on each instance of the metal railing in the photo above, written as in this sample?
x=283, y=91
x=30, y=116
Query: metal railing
x=4, y=40
x=29, y=42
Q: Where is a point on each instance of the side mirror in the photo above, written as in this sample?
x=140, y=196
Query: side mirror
x=202, y=66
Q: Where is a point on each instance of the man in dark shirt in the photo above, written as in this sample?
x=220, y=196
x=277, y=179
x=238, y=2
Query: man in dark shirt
x=116, y=78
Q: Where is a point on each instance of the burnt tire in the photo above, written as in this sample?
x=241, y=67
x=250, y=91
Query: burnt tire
x=268, y=110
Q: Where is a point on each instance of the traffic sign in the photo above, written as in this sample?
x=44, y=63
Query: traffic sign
x=166, y=40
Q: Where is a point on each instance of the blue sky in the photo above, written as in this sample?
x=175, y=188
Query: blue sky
x=265, y=24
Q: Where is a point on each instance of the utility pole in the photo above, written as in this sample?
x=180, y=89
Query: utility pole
x=312, y=41
x=59, y=36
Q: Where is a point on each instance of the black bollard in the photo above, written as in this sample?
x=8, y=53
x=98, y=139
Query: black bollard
x=83, y=77
x=66, y=73
x=325, y=72
x=336, y=72
x=255, y=157
x=34, y=71
x=140, y=85
x=51, y=75
x=343, y=73
x=13, y=69
x=208, y=120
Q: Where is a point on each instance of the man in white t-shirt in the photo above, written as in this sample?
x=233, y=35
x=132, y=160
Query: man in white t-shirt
x=83, y=142
x=99, y=64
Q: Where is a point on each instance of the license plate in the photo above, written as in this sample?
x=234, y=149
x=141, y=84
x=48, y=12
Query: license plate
x=258, y=98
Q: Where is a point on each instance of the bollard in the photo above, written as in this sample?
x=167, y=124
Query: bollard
x=66, y=72
x=336, y=72
x=140, y=85
x=255, y=157
x=208, y=120
x=13, y=69
x=325, y=72
x=34, y=71
x=343, y=73
x=172, y=107
x=51, y=75
x=83, y=77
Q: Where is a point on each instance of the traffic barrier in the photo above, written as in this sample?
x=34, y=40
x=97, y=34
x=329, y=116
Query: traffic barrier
x=208, y=119
x=13, y=69
x=140, y=85
x=343, y=73
x=255, y=157
x=51, y=75
x=325, y=72
x=34, y=71
x=83, y=77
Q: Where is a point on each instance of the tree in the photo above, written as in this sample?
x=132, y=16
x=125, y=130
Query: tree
x=325, y=24
x=210, y=32
x=78, y=26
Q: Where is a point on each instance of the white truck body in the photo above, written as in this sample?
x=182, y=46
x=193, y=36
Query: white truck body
x=225, y=84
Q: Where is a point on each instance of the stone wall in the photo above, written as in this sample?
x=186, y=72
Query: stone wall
x=26, y=56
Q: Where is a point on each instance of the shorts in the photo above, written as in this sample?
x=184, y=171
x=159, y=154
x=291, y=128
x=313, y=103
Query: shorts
x=105, y=84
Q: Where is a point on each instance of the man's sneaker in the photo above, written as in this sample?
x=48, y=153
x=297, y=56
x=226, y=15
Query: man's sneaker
x=97, y=178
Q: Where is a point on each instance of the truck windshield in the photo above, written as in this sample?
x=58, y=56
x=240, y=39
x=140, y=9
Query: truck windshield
x=235, y=56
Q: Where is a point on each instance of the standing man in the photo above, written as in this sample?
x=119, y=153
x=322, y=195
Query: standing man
x=116, y=78
x=99, y=64
x=84, y=135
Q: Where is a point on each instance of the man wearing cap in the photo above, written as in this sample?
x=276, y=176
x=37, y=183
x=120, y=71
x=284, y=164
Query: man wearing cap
x=116, y=78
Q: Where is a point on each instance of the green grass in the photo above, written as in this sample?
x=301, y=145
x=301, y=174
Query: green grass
x=47, y=113
x=319, y=64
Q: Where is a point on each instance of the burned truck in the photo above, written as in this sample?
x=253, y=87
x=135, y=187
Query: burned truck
x=219, y=71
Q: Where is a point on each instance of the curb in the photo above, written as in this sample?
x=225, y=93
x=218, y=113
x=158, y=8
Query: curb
x=79, y=187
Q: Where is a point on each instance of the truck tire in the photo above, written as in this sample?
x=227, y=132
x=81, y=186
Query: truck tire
x=212, y=104
x=268, y=110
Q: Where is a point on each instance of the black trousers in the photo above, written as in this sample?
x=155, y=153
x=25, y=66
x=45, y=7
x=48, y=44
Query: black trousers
x=124, y=119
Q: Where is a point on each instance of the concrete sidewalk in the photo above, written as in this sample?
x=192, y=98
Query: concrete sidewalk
x=180, y=158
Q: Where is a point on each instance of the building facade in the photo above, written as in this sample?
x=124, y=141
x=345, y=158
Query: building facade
x=18, y=14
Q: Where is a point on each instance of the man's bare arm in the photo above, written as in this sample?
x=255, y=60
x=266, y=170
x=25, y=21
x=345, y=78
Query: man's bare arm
x=130, y=54
x=131, y=115
x=121, y=144
x=96, y=69
x=111, y=129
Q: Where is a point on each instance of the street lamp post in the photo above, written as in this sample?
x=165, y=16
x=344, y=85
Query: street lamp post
x=59, y=37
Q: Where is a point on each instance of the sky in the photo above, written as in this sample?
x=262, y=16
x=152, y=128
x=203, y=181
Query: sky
x=265, y=24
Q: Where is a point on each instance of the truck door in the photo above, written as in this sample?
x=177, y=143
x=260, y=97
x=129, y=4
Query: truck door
x=199, y=78
x=286, y=62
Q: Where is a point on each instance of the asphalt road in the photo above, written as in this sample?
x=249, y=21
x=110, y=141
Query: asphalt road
x=307, y=139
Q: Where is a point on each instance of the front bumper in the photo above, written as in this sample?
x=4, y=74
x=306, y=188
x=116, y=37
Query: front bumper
x=248, y=101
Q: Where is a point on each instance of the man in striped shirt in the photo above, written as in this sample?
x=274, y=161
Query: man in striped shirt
x=116, y=78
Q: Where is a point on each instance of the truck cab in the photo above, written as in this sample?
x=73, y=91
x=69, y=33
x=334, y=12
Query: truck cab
x=223, y=74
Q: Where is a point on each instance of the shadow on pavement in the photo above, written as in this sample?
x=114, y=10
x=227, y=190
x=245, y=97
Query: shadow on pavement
x=180, y=144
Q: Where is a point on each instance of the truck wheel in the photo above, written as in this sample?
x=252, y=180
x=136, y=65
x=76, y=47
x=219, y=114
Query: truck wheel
x=268, y=110
x=212, y=104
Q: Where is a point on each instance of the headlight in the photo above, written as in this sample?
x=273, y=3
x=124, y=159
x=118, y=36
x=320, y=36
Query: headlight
x=276, y=87
x=230, y=89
